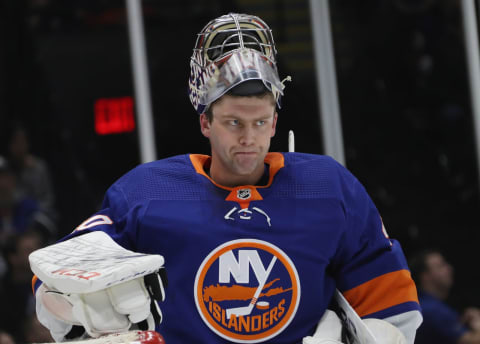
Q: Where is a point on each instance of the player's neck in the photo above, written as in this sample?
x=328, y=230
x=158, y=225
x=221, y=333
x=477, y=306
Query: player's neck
x=222, y=177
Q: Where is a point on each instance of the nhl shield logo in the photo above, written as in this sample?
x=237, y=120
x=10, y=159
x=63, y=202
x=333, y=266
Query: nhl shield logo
x=247, y=291
x=244, y=194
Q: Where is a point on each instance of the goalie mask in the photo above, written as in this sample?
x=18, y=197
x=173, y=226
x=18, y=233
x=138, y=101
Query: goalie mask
x=233, y=51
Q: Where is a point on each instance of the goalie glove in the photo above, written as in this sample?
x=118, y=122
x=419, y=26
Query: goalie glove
x=329, y=331
x=92, y=282
x=384, y=332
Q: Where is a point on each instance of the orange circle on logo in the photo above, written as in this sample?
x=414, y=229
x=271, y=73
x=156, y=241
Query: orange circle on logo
x=270, y=331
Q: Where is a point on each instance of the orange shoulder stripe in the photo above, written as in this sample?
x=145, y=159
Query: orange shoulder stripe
x=382, y=292
x=34, y=280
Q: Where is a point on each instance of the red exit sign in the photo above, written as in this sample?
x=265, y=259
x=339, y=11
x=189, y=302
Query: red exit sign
x=114, y=115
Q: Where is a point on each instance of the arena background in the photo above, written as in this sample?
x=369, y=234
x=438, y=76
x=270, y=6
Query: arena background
x=403, y=90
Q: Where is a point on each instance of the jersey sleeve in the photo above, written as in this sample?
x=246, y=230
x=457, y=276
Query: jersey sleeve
x=369, y=267
x=117, y=217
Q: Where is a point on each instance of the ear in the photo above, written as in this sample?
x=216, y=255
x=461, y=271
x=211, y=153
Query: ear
x=204, y=125
x=274, y=124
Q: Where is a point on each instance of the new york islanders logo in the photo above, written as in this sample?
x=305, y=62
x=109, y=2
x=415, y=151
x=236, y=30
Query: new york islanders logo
x=247, y=291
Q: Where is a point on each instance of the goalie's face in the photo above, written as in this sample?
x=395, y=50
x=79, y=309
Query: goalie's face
x=239, y=135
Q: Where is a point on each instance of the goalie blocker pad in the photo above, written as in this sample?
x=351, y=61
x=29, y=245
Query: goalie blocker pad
x=89, y=263
x=92, y=281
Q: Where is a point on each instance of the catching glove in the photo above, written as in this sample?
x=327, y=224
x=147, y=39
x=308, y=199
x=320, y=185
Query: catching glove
x=91, y=282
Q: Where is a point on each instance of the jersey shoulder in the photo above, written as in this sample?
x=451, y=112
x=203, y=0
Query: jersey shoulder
x=172, y=178
x=317, y=176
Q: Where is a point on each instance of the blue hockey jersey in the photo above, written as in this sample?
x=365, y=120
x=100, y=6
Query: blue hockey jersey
x=257, y=263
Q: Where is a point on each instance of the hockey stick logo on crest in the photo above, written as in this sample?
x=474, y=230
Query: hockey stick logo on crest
x=247, y=291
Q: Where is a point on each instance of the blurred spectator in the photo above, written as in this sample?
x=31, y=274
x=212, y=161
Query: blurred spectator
x=16, y=297
x=17, y=212
x=33, y=177
x=36, y=332
x=441, y=323
x=5, y=338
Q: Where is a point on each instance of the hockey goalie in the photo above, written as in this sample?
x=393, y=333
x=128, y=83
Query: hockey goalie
x=260, y=246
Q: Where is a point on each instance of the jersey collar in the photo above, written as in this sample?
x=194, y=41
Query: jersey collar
x=242, y=194
x=274, y=160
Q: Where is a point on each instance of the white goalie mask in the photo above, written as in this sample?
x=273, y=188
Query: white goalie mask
x=229, y=51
